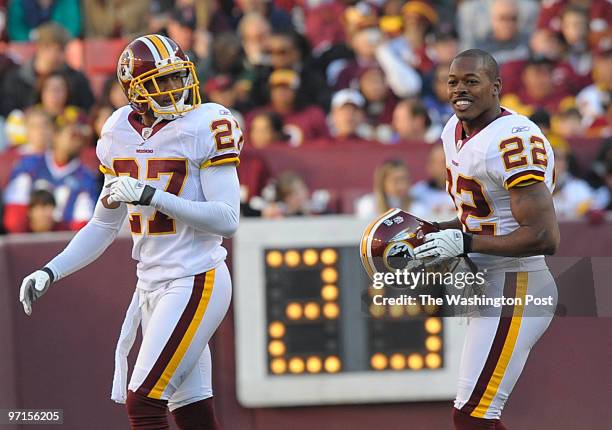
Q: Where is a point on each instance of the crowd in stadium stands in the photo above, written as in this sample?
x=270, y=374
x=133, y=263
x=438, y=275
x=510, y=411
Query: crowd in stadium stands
x=300, y=73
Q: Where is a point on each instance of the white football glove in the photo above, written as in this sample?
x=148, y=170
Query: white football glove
x=444, y=243
x=32, y=287
x=129, y=190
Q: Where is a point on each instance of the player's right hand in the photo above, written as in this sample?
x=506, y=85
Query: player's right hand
x=33, y=287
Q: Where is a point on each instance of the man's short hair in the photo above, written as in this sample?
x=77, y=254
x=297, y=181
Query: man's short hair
x=42, y=197
x=489, y=62
x=51, y=34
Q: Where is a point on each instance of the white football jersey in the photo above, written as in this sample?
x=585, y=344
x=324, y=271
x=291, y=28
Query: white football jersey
x=511, y=151
x=169, y=157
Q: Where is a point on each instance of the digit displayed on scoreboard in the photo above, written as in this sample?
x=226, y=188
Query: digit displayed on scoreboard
x=313, y=308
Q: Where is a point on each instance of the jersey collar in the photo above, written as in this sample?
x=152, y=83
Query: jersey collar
x=460, y=136
x=141, y=129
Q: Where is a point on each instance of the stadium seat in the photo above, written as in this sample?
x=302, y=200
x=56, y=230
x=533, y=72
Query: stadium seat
x=100, y=55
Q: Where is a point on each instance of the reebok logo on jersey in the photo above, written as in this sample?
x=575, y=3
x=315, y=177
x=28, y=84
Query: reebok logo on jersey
x=520, y=129
x=144, y=151
x=224, y=112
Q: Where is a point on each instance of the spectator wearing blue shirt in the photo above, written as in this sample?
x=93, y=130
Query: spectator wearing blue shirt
x=59, y=171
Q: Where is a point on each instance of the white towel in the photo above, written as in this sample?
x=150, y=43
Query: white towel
x=124, y=345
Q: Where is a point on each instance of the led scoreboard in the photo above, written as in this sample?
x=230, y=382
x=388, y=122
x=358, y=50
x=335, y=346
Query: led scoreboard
x=308, y=330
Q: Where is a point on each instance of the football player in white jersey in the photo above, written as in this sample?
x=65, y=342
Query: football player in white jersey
x=500, y=177
x=170, y=167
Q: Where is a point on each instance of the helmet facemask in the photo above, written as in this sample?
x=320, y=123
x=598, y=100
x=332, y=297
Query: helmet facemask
x=182, y=99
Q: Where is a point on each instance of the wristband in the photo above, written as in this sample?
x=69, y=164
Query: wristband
x=467, y=243
x=147, y=195
x=50, y=273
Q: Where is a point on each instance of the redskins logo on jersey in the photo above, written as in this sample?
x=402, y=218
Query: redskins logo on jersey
x=388, y=243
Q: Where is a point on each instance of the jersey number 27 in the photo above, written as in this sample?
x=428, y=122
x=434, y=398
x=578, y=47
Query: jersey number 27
x=176, y=168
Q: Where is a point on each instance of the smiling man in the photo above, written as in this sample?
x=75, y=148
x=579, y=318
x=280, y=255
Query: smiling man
x=500, y=176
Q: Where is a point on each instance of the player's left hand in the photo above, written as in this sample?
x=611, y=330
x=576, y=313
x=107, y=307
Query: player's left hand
x=129, y=190
x=444, y=243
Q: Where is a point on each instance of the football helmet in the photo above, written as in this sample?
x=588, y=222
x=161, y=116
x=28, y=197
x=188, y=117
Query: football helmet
x=146, y=59
x=388, y=243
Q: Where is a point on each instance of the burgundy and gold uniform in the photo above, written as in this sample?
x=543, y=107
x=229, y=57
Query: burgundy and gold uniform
x=511, y=151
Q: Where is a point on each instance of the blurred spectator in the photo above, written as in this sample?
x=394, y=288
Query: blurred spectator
x=112, y=94
x=411, y=122
x=363, y=43
x=220, y=89
x=25, y=16
x=471, y=30
x=59, y=171
x=573, y=198
x=208, y=15
x=600, y=14
x=444, y=46
x=567, y=124
x=30, y=132
x=436, y=98
x=226, y=58
x=278, y=18
x=591, y=100
x=323, y=25
x=402, y=57
x=40, y=131
x=431, y=192
x=293, y=198
x=537, y=90
x=290, y=51
x=254, y=175
x=52, y=97
x=181, y=28
x=420, y=19
x=506, y=42
x=380, y=103
x=19, y=86
x=266, y=128
x=391, y=190
x=601, y=127
x=303, y=123
x=99, y=114
x=575, y=31
x=40, y=213
x=255, y=30
x=347, y=119
x=115, y=18
x=546, y=44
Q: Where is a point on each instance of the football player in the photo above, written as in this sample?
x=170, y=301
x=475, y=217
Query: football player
x=500, y=177
x=170, y=167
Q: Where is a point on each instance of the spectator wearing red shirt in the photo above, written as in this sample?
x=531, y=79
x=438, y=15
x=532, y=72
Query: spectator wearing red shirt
x=575, y=31
x=303, y=123
x=549, y=44
x=591, y=100
x=537, y=90
x=600, y=14
x=380, y=103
